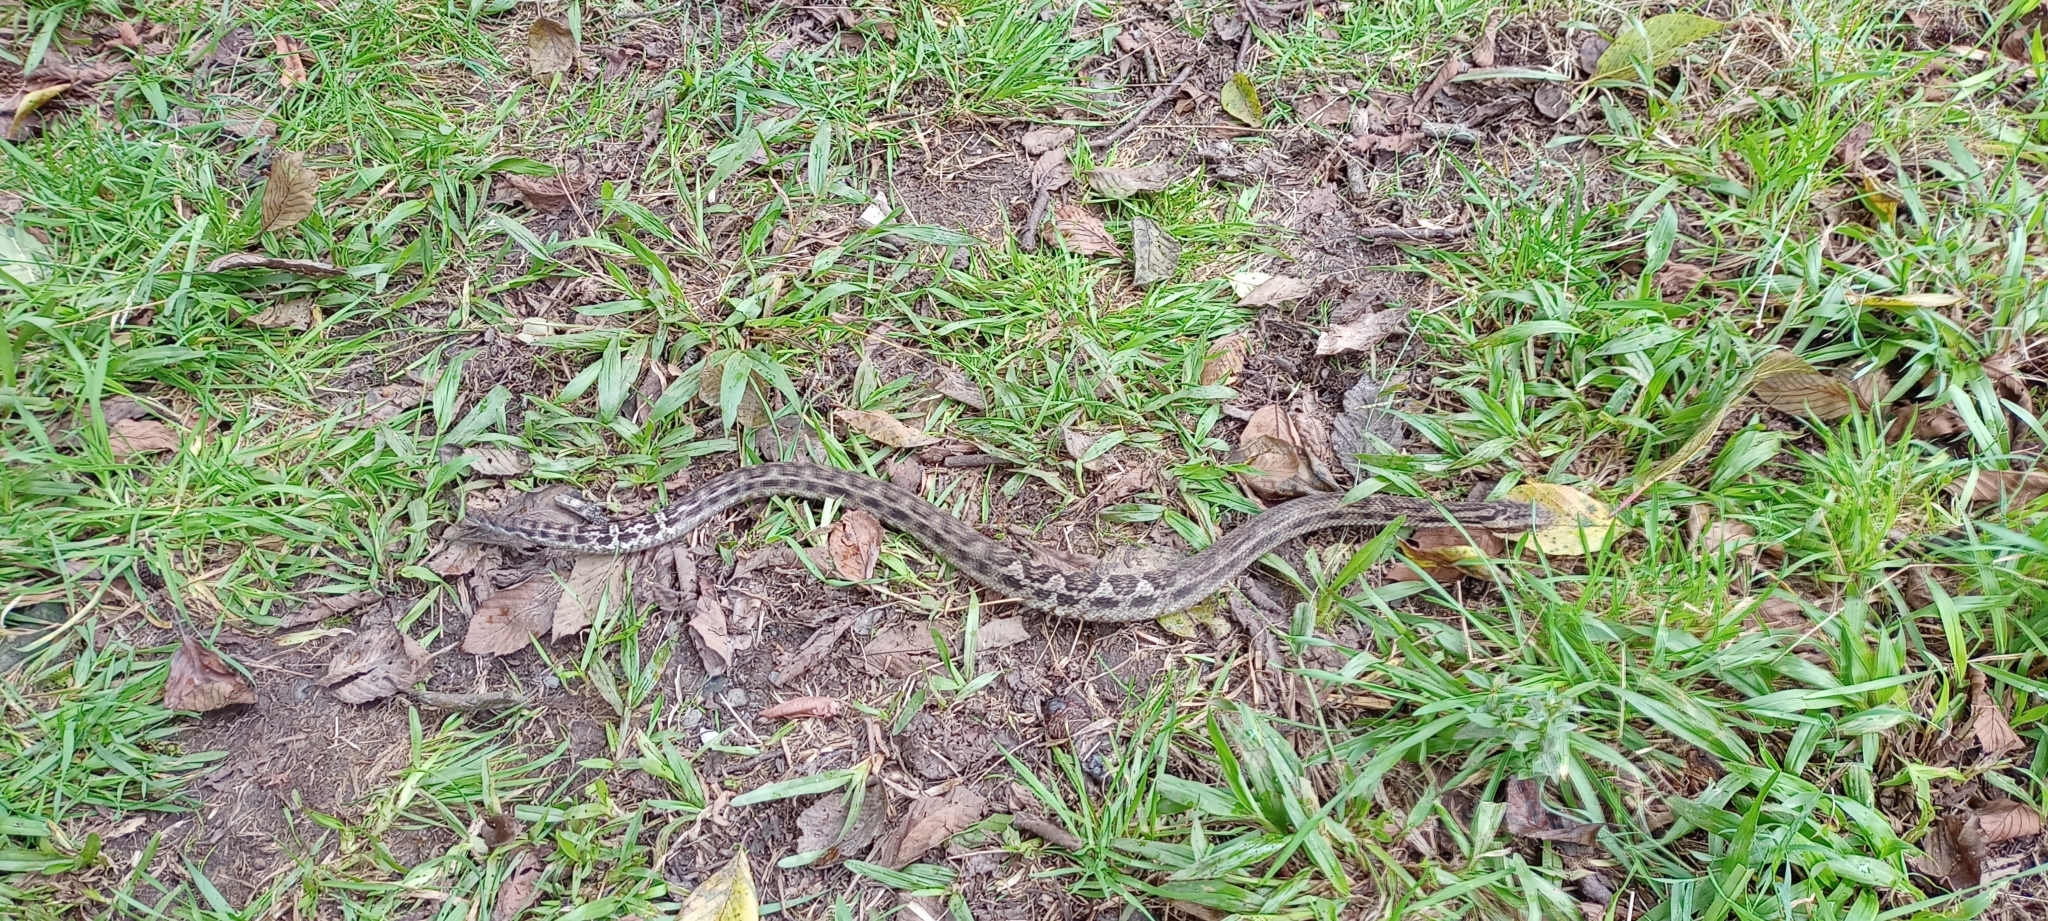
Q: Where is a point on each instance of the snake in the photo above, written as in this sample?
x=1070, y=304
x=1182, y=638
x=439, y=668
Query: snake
x=1088, y=596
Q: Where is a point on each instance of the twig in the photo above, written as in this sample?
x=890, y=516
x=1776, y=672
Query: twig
x=1414, y=234
x=468, y=703
x=1158, y=99
x=1039, y=202
x=959, y=461
x=1049, y=831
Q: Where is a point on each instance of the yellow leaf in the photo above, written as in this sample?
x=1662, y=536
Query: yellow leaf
x=1882, y=204
x=28, y=105
x=1585, y=524
x=1652, y=43
x=1931, y=300
x=1241, y=99
x=728, y=895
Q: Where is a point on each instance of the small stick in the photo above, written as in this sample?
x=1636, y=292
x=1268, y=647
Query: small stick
x=1414, y=234
x=1029, y=241
x=1158, y=99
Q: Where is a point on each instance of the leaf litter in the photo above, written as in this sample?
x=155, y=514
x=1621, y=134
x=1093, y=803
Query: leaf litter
x=378, y=663
x=201, y=681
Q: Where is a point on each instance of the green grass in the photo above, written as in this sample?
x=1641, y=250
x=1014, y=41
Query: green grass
x=1736, y=771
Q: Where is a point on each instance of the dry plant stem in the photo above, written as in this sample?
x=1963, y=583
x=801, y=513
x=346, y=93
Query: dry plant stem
x=1158, y=99
x=1039, y=202
x=1415, y=234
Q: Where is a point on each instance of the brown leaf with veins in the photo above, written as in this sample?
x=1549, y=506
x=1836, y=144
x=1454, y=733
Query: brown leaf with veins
x=2003, y=820
x=1260, y=290
x=709, y=628
x=1806, y=392
x=550, y=48
x=289, y=193
x=1123, y=183
x=521, y=887
x=1051, y=171
x=2020, y=488
x=1224, y=360
x=378, y=663
x=1275, y=442
x=1082, y=232
x=508, y=620
x=1527, y=817
x=1362, y=333
x=1441, y=551
x=855, y=543
x=594, y=583
x=1954, y=852
x=2006, y=381
x=955, y=384
x=201, y=681
x=130, y=437
x=1987, y=718
x=929, y=821
x=1039, y=140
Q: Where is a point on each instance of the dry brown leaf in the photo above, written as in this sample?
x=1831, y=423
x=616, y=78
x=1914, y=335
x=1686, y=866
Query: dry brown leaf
x=1806, y=391
x=1224, y=360
x=1275, y=442
x=1155, y=254
x=1676, y=280
x=708, y=627
x=813, y=651
x=1051, y=171
x=1855, y=143
x=497, y=462
x=595, y=583
x=385, y=403
x=1527, y=817
x=1937, y=423
x=1123, y=183
x=312, y=268
x=378, y=663
x=1710, y=536
x=1082, y=232
x=542, y=194
x=914, y=639
x=2020, y=488
x=1444, y=553
x=1003, y=631
x=1362, y=333
x=855, y=543
x=505, y=622
x=1258, y=289
x=803, y=708
x=929, y=822
x=1484, y=52
x=1955, y=851
x=2003, y=820
x=2007, y=383
x=955, y=384
x=521, y=887
x=129, y=437
x=331, y=606
x=1039, y=140
x=550, y=49
x=291, y=70
x=289, y=191
x=1987, y=719
x=456, y=558
x=884, y=428
x=201, y=681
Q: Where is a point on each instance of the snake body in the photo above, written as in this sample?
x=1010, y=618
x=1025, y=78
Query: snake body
x=1084, y=596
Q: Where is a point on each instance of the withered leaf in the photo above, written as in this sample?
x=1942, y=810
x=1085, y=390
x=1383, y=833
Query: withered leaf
x=1854, y=145
x=1987, y=719
x=728, y=895
x=314, y=268
x=497, y=462
x=1527, y=817
x=1275, y=443
x=456, y=558
x=1003, y=631
x=508, y=620
x=385, y=403
x=855, y=543
x=954, y=383
x=27, y=103
x=2018, y=487
x=595, y=583
x=1120, y=184
x=2007, y=383
x=288, y=192
x=1258, y=289
x=1051, y=171
x=1955, y=850
x=1155, y=254
x=914, y=638
x=201, y=681
x=813, y=651
x=884, y=428
x=1039, y=140
x=1225, y=360
x=130, y=437
x=1082, y=232
x=1240, y=98
x=543, y=194
x=1812, y=392
x=1362, y=333
x=521, y=887
x=294, y=314
x=929, y=822
x=550, y=48
x=378, y=663
x=1445, y=553
x=291, y=70
x=330, y=606
x=499, y=829
x=804, y=708
x=2004, y=820
x=708, y=627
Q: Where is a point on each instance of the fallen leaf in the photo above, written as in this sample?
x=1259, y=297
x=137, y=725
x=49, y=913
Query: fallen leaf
x=709, y=628
x=499, y=829
x=130, y=437
x=497, y=462
x=508, y=620
x=385, y=403
x=249, y=123
x=1484, y=52
x=27, y=103
x=1552, y=100
x=2020, y=488
x=201, y=681
x=1878, y=200
x=1240, y=98
x=1653, y=43
x=1039, y=140
x=1527, y=817
x=291, y=71
x=1051, y=171
x=912, y=639
x=1937, y=423
x=521, y=887
x=1003, y=631
x=22, y=257
x=1274, y=444
x=1678, y=280
x=1710, y=537
x=804, y=708
x=2007, y=383
x=1079, y=444
x=550, y=49
x=1987, y=718
x=813, y=651
x=288, y=193
x=1954, y=852
x=955, y=384
x=1155, y=254
x=1448, y=555
x=1363, y=333
x=1855, y=143
x=1575, y=511
x=295, y=314
x=855, y=543
x=823, y=827
x=595, y=583
x=456, y=558
x=928, y=822
x=1082, y=232
x=727, y=895
x=1120, y=184
x=236, y=262
x=378, y=663
x=1794, y=386
x=542, y=194
x=2003, y=820
x=1257, y=289
x=1367, y=426
x=331, y=606
x=1224, y=360
x=884, y=428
